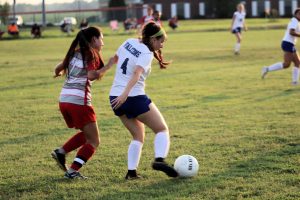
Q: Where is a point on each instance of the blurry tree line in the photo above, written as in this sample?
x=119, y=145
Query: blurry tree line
x=4, y=11
x=221, y=8
x=214, y=8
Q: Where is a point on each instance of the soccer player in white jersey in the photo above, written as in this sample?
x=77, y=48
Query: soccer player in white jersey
x=237, y=24
x=290, y=53
x=82, y=65
x=130, y=102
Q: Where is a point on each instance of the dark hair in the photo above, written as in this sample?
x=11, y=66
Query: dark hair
x=83, y=40
x=149, y=30
x=297, y=10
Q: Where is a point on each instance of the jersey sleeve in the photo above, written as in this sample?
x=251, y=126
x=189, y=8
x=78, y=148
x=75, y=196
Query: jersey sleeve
x=145, y=60
x=92, y=65
x=234, y=14
x=119, y=49
x=293, y=24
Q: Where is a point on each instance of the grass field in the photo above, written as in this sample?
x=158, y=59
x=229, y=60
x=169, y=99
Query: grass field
x=244, y=131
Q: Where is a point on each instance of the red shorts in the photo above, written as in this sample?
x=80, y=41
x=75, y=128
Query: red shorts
x=77, y=116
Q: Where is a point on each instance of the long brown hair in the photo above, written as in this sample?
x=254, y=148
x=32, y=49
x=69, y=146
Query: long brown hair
x=149, y=30
x=83, y=40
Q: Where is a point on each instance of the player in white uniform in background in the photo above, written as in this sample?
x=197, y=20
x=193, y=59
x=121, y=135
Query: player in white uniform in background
x=130, y=102
x=237, y=24
x=288, y=46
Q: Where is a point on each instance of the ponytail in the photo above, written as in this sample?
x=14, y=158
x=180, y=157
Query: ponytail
x=152, y=30
x=83, y=40
x=158, y=56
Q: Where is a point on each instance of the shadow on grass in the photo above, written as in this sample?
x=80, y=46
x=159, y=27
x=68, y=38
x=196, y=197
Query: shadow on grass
x=24, y=86
x=284, y=93
x=189, y=188
x=33, y=137
x=214, y=186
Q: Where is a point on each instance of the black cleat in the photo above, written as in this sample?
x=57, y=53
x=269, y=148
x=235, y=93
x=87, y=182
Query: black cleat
x=74, y=175
x=60, y=159
x=164, y=167
x=131, y=175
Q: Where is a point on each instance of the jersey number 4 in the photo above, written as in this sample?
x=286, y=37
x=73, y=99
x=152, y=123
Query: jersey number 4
x=124, y=66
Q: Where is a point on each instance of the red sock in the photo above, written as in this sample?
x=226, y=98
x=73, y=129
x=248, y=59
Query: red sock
x=74, y=142
x=83, y=155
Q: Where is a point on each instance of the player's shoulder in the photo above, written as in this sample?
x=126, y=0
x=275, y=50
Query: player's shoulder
x=294, y=20
x=136, y=43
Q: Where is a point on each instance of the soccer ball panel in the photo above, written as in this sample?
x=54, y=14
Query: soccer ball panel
x=186, y=166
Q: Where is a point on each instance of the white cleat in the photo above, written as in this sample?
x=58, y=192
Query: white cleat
x=264, y=72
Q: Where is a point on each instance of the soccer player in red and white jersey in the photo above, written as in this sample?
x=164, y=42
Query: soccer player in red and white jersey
x=82, y=65
x=237, y=24
x=130, y=102
x=288, y=47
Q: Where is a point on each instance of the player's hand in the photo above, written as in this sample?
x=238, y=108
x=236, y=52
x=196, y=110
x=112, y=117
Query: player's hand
x=57, y=75
x=117, y=102
x=111, y=62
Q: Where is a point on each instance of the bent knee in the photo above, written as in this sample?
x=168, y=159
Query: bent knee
x=163, y=131
x=286, y=65
x=94, y=142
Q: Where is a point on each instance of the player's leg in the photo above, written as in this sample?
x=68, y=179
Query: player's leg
x=237, y=46
x=59, y=155
x=73, y=143
x=287, y=59
x=87, y=150
x=137, y=130
x=295, y=71
x=155, y=121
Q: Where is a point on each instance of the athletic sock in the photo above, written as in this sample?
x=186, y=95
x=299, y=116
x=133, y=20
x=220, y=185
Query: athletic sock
x=74, y=142
x=83, y=155
x=275, y=67
x=237, y=47
x=161, y=144
x=134, y=154
x=295, y=74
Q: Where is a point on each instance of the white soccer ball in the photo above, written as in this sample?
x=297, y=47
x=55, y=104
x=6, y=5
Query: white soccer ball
x=186, y=166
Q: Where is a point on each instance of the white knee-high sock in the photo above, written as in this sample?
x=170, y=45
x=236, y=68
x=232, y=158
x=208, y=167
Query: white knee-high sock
x=161, y=144
x=275, y=67
x=134, y=154
x=295, y=74
x=237, y=47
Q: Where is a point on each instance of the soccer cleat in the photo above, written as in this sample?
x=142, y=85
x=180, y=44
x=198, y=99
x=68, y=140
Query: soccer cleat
x=295, y=83
x=131, y=175
x=74, y=175
x=164, y=167
x=264, y=72
x=236, y=53
x=60, y=159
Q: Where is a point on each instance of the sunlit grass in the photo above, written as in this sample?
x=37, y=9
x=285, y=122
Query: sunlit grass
x=244, y=131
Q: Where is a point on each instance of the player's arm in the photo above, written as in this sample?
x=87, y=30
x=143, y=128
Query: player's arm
x=294, y=33
x=245, y=26
x=59, y=70
x=232, y=21
x=98, y=74
x=117, y=102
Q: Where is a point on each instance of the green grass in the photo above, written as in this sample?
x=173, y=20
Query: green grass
x=244, y=131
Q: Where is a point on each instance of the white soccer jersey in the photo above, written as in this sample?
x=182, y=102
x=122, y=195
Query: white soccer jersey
x=294, y=24
x=77, y=86
x=239, y=19
x=131, y=53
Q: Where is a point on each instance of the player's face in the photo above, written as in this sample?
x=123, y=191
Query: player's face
x=298, y=15
x=158, y=43
x=98, y=42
